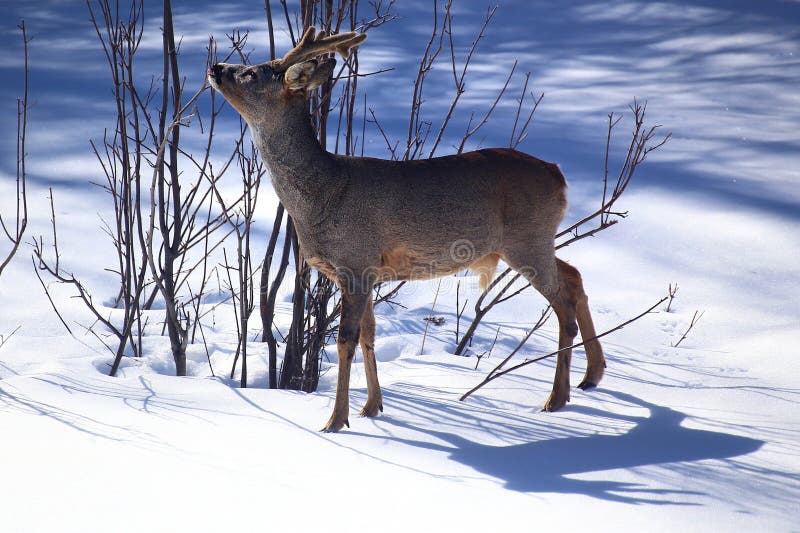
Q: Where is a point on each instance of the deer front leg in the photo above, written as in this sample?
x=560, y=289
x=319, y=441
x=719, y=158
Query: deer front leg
x=353, y=304
x=374, y=403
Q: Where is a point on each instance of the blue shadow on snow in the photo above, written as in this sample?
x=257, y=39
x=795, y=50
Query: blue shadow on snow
x=547, y=465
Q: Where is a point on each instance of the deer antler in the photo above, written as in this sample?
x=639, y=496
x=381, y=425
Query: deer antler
x=313, y=44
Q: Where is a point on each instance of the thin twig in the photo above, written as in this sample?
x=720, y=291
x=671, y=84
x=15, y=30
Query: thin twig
x=6, y=338
x=641, y=144
x=472, y=130
x=488, y=353
x=458, y=79
x=430, y=316
x=695, y=319
x=389, y=295
x=16, y=233
x=672, y=292
x=50, y=298
x=496, y=373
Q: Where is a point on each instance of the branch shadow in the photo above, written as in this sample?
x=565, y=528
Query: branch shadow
x=17, y=400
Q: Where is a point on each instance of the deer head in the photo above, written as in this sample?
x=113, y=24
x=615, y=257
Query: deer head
x=256, y=91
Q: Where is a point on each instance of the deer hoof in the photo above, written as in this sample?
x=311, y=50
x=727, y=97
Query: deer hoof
x=586, y=385
x=334, y=425
x=555, y=402
x=371, y=410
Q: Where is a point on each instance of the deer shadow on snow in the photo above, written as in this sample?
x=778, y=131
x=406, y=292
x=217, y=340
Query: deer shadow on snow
x=548, y=464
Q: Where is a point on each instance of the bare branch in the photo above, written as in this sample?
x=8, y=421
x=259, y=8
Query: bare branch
x=672, y=292
x=497, y=372
x=16, y=233
x=458, y=79
x=6, y=338
x=472, y=130
x=430, y=316
x=695, y=319
x=415, y=125
x=642, y=143
x=516, y=139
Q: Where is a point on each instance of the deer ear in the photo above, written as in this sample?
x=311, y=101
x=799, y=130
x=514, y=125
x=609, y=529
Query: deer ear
x=308, y=74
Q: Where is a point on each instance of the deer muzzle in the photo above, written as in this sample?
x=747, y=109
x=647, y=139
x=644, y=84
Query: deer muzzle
x=215, y=73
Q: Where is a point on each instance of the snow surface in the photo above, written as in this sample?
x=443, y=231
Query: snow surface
x=703, y=437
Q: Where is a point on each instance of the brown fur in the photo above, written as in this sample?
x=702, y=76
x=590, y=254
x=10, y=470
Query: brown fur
x=485, y=268
x=397, y=263
x=364, y=220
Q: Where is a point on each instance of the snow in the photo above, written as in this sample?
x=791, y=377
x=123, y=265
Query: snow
x=695, y=438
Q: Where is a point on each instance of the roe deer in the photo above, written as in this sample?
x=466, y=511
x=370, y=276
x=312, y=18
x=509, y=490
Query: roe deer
x=361, y=220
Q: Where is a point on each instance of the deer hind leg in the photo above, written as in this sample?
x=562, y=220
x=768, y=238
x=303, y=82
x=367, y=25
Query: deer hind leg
x=374, y=403
x=539, y=268
x=595, y=361
x=353, y=307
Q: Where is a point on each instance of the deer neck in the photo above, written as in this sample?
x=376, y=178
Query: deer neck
x=301, y=171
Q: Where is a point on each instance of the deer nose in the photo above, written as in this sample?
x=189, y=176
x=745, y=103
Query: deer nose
x=215, y=71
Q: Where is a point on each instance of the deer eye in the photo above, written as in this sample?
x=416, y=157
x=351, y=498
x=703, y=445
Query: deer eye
x=248, y=76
